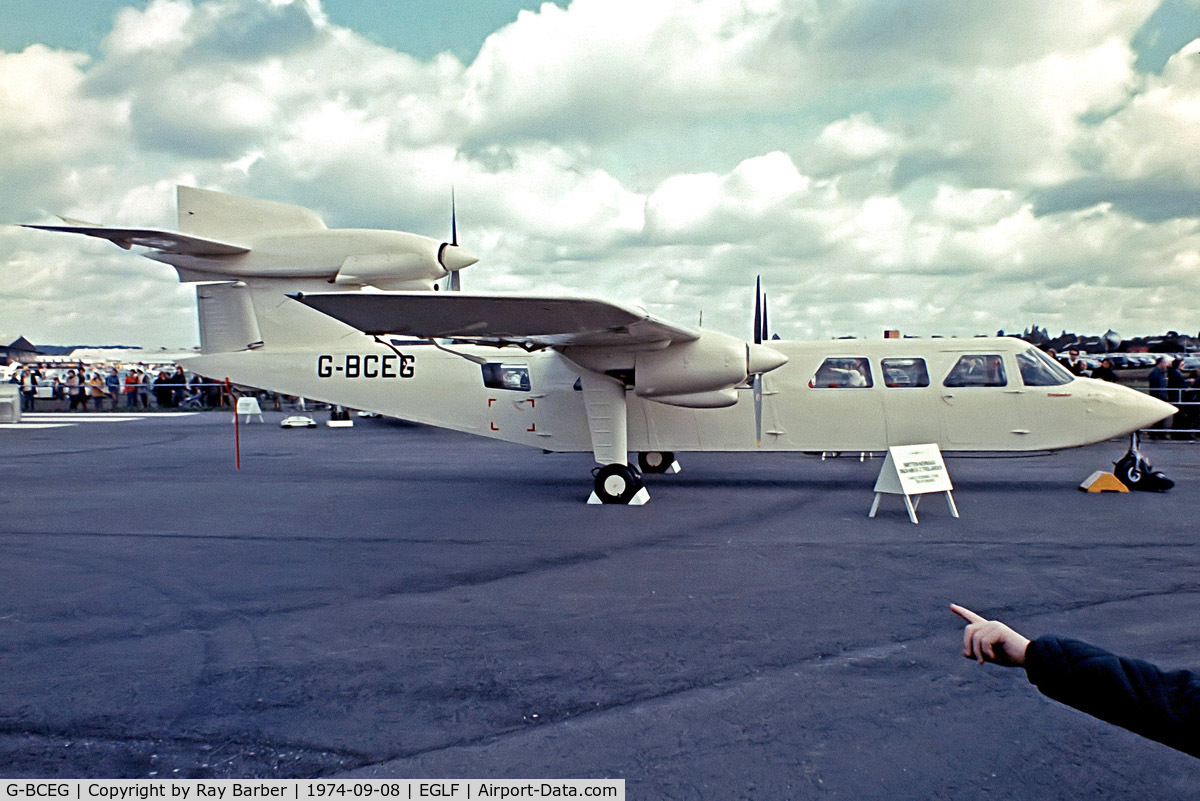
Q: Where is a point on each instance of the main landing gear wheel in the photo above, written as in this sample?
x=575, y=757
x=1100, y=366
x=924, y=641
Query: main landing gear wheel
x=655, y=461
x=617, y=483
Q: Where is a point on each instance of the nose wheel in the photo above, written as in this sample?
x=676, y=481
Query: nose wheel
x=1136, y=473
x=618, y=483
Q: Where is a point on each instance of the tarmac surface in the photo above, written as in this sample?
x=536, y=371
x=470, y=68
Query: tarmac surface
x=397, y=601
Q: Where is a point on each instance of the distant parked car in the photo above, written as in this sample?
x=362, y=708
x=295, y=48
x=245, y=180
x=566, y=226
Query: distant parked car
x=1122, y=361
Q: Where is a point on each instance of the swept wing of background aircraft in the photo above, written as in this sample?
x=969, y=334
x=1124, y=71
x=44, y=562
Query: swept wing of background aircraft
x=587, y=374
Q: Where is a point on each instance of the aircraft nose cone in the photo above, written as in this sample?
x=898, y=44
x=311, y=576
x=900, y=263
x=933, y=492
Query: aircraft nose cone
x=1147, y=410
x=454, y=258
x=1113, y=410
x=762, y=359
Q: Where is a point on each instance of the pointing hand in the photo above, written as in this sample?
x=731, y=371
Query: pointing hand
x=990, y=640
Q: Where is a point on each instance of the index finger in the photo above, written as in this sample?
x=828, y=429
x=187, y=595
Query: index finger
x=966, y=614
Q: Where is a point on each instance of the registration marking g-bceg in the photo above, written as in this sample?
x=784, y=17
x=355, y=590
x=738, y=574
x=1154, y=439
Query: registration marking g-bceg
x=369, y=365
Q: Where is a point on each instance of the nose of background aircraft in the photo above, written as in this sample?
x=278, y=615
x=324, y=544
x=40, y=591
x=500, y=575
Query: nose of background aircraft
x=762, y=359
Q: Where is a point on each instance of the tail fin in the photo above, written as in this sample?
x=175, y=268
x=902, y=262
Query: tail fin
x=227, y=319
x=218, y=215
x=252, y=315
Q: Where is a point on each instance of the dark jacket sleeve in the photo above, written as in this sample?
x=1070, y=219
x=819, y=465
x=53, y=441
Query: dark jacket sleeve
x=1136, y=695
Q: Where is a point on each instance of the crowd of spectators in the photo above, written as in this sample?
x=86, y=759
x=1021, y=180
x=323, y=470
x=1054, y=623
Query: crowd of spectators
x=83, y=387
x=1104, y=369
x=1169, y=382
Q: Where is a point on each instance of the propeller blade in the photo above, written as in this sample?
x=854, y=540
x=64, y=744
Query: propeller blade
x=765, y=330
x=758, y=324
x=761, y=360
x=758, y=408
x=452, y=257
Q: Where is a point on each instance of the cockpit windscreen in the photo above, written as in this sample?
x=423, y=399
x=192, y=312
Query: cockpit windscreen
x=1040, y=370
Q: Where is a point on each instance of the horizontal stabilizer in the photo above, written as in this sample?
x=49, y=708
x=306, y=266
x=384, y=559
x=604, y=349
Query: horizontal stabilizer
x=220, y=215
x=498, y=319
x=165, y=241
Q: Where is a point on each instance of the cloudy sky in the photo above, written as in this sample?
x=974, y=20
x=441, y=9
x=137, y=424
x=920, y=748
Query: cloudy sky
x=938, y=166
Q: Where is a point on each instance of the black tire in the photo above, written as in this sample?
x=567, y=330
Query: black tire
x=617, y=483
x=655, y=461
x=1137, y=474
x=1130, y=471
x=1157, y=482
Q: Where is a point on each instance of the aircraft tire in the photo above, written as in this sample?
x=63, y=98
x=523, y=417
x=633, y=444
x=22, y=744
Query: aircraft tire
x=655, y=461
x=1129, y=470
x=617, y=483
x=1137, y=474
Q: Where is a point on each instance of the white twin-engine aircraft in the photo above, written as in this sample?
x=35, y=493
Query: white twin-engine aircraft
x=280, y=308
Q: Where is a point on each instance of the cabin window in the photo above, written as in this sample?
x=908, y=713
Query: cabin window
x=513, y=377
x=1039, y=370
x=842, y=373
x=904, y=373
x=977, y=370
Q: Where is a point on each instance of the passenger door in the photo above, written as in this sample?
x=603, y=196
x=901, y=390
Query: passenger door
x=979, y=404
x=910, y=404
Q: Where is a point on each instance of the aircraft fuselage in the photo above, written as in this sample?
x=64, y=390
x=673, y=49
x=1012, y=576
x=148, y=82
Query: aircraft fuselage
x=802, y=410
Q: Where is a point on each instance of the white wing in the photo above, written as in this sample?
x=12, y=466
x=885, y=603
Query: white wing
x=499, y=319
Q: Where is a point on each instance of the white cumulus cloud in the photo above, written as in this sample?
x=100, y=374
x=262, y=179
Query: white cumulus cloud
x=937, y=166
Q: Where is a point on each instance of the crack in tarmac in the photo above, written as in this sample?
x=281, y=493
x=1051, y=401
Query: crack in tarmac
x=14, y=728
x=77, y=451
x=242, y=537
x=164, y=751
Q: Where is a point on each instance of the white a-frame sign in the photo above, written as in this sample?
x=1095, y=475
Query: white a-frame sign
x=913, y=471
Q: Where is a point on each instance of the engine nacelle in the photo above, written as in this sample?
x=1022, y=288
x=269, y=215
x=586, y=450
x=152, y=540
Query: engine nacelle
x=717, y=399
x=382, y=269
x=711, y=363
x=425, y=262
